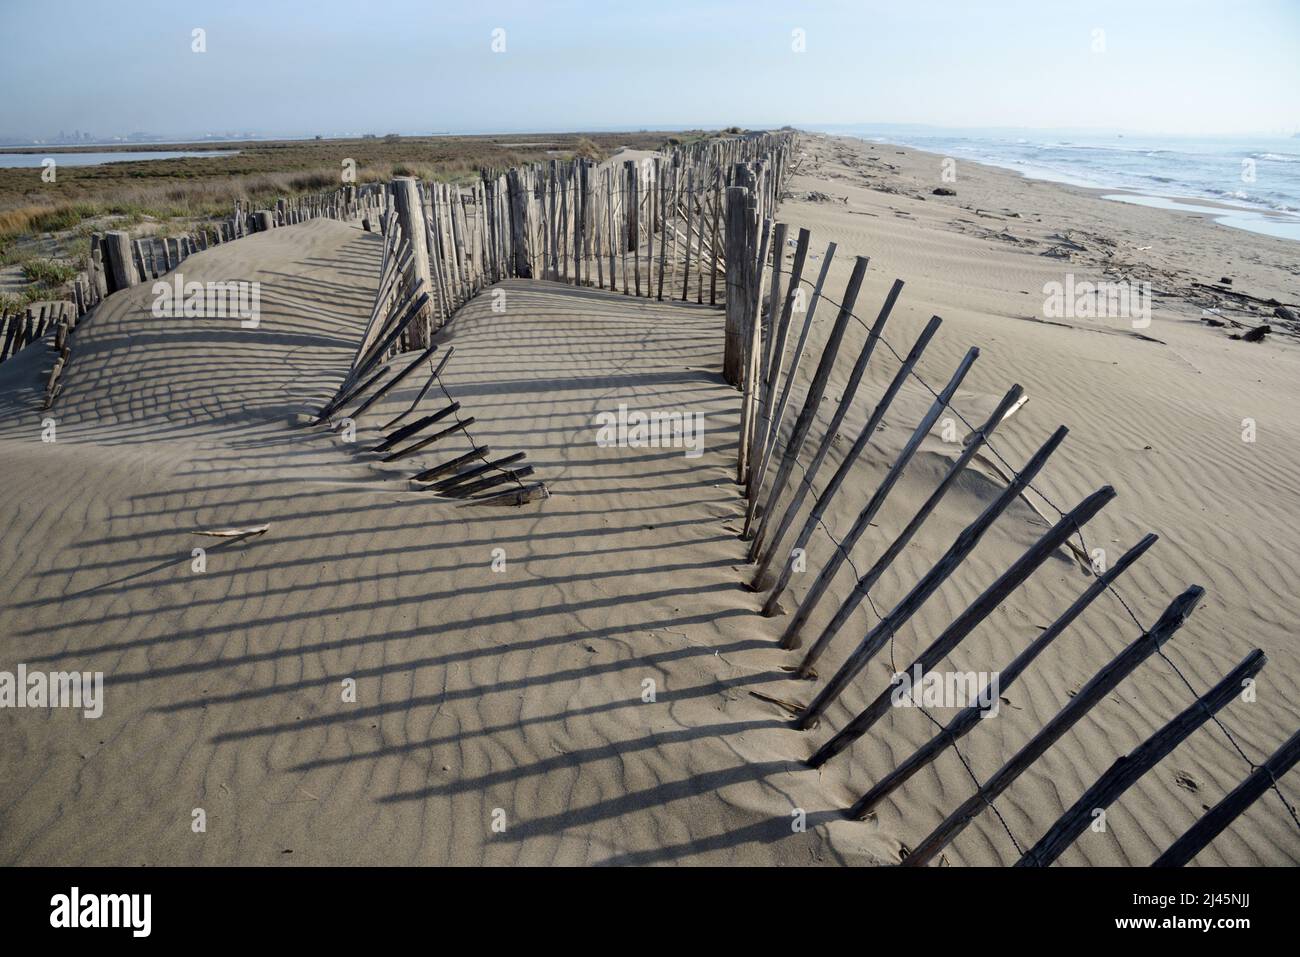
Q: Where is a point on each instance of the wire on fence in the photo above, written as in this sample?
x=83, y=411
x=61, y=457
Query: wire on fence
x=1111, y=588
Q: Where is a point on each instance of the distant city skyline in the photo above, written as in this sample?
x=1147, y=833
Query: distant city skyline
x=151, y=68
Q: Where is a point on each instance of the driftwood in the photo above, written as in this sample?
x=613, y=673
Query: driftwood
x=1254, y=333
x=1225, y=291
x=1100, y=685
x=247, y=530
x=1126, y=770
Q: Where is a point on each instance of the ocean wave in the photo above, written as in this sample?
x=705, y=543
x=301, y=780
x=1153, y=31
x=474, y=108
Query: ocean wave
x=1212, y=168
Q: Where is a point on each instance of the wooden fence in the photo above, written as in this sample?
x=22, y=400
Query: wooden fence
x=118, y=262
x=701, y=216
x=651, y=227
x=779, y=506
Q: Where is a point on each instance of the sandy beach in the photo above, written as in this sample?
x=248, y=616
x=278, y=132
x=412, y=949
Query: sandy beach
x=586, y=680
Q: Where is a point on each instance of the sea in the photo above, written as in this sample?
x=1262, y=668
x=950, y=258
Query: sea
x=1257, y=178
x=92, y=158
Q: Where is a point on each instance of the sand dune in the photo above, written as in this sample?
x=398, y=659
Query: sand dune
x=525, y=689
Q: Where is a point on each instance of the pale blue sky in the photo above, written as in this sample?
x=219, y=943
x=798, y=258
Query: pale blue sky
x=1191, y=66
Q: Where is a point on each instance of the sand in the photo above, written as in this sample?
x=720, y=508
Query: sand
x=591, y=701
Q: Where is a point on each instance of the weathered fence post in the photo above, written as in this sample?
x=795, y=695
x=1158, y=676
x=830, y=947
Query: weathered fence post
x=738, y=238
x=1129, y=768
x=751, y=383
x=964, y=544
x=410, y=216
x=823, y=449
x=970, y=717
x=969, y=619
x=846, y=546
x=811, y=402
x=774, y=426
x=1226, y=811
x=1100, y=685
x=121, y=271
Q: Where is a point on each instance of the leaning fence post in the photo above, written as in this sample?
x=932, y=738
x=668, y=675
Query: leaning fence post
x=774, y=364
x=777, y=253
x=1226, y=811
x=967, y=719
x=1129, y=768
x=1100, y=685
x=867, y=433
x=969, y=619
x=863, y=521
x=828, y=438
x=752, y=383
x=774, y=427
x=410, y=216
x=407, y=370
x=812, y=399
x=964, y=544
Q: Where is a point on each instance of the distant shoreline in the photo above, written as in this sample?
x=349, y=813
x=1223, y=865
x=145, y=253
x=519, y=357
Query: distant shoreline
x=1256, y=219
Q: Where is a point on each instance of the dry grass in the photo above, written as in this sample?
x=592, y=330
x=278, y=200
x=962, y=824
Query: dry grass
x=203, y=187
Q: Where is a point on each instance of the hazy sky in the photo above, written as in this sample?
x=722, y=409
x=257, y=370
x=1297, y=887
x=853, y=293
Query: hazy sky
x=1193, y=66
